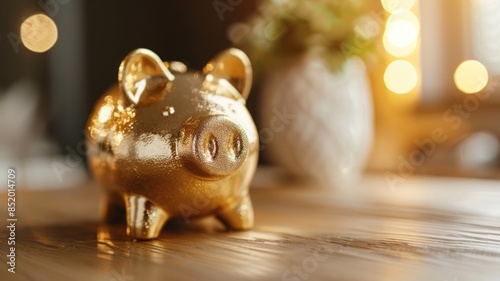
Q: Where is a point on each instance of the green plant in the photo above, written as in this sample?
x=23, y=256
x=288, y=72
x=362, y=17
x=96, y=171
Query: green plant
x=332, y=29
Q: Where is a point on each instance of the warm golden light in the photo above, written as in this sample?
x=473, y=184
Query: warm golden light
x=400, y=77
x=402, y=29
x=471, y=76
x=105, y=113
x=38, y=33
x=397, y=6
x=398, y=51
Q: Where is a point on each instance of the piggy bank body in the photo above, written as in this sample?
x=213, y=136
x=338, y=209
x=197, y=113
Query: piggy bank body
x=166, y=142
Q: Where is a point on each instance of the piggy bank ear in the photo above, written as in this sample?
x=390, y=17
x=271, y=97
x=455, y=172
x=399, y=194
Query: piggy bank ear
x=143, y=77
x=233, y=67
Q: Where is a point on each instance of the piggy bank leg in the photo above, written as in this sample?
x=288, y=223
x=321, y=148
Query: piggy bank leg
x=144, y=219
x=113, y=209
x=238, y=215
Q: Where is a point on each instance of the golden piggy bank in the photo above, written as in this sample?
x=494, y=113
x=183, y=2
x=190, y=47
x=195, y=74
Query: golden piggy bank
x=166, y=142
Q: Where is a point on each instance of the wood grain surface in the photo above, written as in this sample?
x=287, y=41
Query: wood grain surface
x=425, y=228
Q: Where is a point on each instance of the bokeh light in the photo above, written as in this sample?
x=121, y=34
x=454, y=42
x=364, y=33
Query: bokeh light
x=397, y=6
x=471, y=76
x=400, y=77
x=402, y=29
x=38, y=33
x=105, y=113
x=398, y=51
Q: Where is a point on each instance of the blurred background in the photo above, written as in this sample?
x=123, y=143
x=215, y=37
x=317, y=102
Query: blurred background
x=397, y=87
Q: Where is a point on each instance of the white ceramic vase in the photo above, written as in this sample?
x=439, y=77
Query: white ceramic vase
x=316, y=122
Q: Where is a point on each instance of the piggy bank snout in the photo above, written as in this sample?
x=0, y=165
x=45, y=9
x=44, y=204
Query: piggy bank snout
x=215, y=144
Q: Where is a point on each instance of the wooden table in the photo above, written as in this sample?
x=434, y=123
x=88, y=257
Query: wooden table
x=426, y=228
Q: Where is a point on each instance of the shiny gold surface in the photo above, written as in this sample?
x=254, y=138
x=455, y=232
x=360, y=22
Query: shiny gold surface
x=183, y=145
